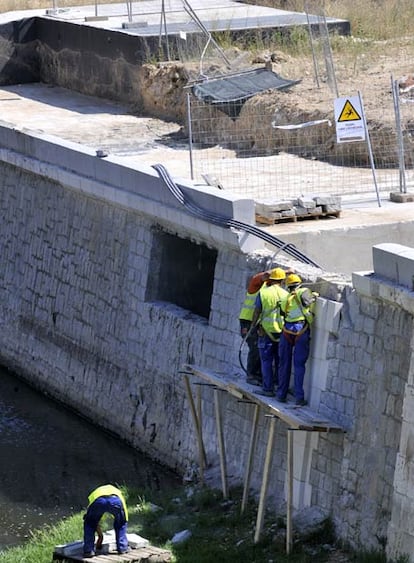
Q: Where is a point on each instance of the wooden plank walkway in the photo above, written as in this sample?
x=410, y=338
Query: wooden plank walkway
x=299, y=418
x=148, y=554
x=295, y=417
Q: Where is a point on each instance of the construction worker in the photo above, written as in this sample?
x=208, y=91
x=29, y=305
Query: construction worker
x=249, y=332
x=297, y=309
x=105, y=499
x=267, y=314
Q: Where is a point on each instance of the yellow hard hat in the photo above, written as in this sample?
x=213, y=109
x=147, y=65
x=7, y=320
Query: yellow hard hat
x=293, y=279
x=277, y=274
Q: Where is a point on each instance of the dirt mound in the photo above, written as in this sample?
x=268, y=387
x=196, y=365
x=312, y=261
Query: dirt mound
x=165, y=96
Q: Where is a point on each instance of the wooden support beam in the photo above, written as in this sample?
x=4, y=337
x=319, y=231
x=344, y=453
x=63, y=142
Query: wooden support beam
x=289, y=536
x=265, y=480
x=220, y=439
x=252, y=447
x=200, y=438
x=201, y=451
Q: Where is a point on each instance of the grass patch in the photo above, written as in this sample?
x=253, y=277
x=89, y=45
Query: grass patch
x=219, y=532
x=40, y=547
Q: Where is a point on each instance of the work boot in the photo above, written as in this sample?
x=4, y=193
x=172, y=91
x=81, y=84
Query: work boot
x=301, y=402
x=253, y=380
x=265, y=393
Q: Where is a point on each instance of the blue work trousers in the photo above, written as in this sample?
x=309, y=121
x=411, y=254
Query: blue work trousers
x=97, y=509
x=269, y=359
x=297, y=346
x=253, y=358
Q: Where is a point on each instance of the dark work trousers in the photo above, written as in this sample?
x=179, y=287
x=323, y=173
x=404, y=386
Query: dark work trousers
x=297, y=346
x=97, y=509
x=253, y=358
x=269, y=356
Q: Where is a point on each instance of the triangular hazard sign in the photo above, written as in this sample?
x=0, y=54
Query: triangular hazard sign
x=349, y=113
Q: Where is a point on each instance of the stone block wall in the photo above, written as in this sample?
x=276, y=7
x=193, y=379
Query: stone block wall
x=83, y=318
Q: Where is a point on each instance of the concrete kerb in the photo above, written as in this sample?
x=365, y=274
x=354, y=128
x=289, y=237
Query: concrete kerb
x=135, y=185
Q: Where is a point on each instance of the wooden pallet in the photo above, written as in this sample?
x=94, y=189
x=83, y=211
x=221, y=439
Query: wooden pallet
x=295, y=218
x=148, y=554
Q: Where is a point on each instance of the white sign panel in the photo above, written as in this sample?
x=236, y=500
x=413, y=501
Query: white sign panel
x=349, y=120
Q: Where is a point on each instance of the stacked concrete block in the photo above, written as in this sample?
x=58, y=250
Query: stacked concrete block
x=305, y=207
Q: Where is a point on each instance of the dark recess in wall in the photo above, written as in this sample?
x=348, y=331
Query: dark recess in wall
x=181, y=272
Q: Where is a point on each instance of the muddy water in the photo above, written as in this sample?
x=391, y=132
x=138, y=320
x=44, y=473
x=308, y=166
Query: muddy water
x=51, y=459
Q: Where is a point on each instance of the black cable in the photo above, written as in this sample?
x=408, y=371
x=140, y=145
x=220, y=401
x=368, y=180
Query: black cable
x=228, y=223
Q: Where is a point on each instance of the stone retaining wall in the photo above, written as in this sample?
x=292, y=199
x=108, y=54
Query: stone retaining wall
x=102, y=302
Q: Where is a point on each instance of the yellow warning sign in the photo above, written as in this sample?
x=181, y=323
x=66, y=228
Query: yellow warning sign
x=349, y=119
x=349, y=113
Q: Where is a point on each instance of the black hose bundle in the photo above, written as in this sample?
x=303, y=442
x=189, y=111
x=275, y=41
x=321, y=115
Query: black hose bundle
x=228, y=223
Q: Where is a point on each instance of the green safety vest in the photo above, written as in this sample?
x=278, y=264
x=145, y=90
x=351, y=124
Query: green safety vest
x=294, y=310
x=271, y=318
x=107, y=491
x=247, y=310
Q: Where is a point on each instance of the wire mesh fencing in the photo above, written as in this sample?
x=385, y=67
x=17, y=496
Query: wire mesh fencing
x=254, y=149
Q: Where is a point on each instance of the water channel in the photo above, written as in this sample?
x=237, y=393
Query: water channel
x=50, y=459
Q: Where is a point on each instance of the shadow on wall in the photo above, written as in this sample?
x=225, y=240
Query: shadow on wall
x=19, y=60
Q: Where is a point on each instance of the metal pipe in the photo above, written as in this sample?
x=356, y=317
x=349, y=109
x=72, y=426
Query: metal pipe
x=315, y=63
x=401, y=159
x=190, y=136
x=371, y=157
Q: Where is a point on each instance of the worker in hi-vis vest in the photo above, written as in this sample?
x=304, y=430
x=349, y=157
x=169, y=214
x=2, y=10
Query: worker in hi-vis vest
x=297, y=308
x=267, y=316
x=249, y=332
x=105, y=499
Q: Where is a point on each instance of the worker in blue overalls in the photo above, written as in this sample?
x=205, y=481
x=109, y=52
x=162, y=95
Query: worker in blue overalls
x=105, y=499
x=267, y=315
x=298, y=311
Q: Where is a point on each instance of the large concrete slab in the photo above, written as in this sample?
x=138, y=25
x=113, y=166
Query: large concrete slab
x=148, y=18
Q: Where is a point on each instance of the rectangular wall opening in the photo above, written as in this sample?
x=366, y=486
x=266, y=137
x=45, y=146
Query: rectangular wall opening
x=181, y=272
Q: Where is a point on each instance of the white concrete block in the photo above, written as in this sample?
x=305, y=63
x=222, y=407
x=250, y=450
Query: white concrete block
x=394, y=262
x=109, y=544
x=362, y=282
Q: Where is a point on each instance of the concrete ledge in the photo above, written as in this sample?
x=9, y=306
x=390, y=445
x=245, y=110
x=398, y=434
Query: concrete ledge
x=20, y=147
x=395, y=262
x=137, y=187
x=134, y=25
x=369, y=285
x=96, y=18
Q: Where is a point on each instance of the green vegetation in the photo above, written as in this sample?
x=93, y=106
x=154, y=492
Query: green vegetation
x=369, y=19
x=219, y=532
x=40, y=547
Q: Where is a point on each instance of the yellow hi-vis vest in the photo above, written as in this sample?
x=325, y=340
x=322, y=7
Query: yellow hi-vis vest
x=271, y=318
x=293, y=308
x=247, y=310
x=107, y=491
